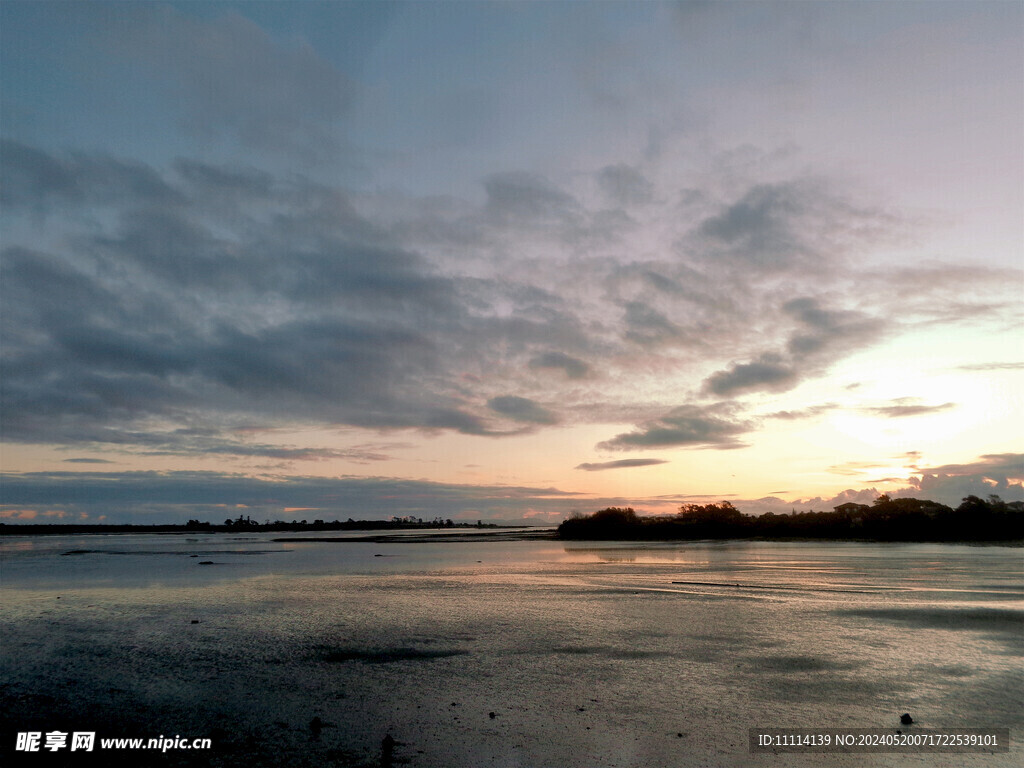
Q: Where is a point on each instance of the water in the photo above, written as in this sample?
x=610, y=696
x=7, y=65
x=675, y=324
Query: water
x=587, y=654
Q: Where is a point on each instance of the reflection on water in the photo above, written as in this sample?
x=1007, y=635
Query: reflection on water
x=593, y=654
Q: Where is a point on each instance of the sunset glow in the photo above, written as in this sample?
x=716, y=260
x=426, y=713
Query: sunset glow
x=508, y=260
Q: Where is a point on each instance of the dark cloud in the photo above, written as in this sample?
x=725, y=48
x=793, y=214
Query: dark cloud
x=305, y=312
x=666, y=284
x=759, y=225
x=646, y=325
x=41, y=181
x=186, y=443
x=904, y=407
x=573, y=367
x=620, y=464
x=687, y=425
x=525, y=196
x=769, y=372
x=87, y=461
x=521, y=409
x=828, y=333
x=801, y=225
x=227, y=183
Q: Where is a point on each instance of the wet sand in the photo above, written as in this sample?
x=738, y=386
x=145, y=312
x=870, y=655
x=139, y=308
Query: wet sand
x=495, y=655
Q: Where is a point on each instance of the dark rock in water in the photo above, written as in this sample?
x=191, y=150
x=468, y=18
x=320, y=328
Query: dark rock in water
x=206, y=562
x=491, y=715
x=195, y=621
x=387, y=749
x=906, y=719
x=316, y=725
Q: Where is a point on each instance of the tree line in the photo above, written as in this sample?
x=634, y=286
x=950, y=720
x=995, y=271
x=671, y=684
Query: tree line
x=886, y=519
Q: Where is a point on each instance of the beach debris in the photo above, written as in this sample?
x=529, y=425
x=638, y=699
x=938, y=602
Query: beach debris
x=906, y=719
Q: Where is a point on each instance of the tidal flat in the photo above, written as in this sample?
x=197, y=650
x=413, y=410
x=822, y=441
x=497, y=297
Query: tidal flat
x=504, y=651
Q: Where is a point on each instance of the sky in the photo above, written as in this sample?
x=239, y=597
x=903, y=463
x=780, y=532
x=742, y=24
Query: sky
x=507, y=260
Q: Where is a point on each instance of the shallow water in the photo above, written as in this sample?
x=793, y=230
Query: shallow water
x=587, y=654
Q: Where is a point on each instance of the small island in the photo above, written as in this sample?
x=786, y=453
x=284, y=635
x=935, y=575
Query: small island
x=887, y=519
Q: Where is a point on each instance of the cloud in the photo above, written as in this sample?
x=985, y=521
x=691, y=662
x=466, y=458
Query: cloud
x=906, y=406
x=179, y=496
x=225, y=182
x=687, y=425
x=1001, y=474
x=232, y=80
x=38, y=180
x=521, y=409
x=521, y=196
x=646, y=325
x=185, y=442
x=224, y=294
x=625, y=185
x=800, y=224
x=620, y=464
x=803, y=413
x=769, y=372
x=307, y=313
x=574, y=368
x=853, y=468
x=828, y=333
x=822, y=337
x=991, y=367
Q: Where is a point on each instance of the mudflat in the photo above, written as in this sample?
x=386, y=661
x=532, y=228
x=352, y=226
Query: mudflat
x=503, y=652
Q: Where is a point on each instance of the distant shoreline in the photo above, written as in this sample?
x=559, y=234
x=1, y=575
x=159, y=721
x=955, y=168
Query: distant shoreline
x=32, y=529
